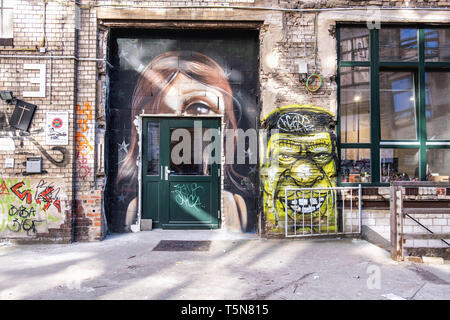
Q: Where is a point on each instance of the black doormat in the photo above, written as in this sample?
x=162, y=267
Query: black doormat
x=178, y=245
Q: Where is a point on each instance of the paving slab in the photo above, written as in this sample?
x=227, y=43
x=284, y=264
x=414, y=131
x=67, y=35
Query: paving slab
x=233, y=266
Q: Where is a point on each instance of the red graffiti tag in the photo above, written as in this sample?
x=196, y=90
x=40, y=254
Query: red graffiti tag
x=84, y=146
x=21, y=195
x=84, y=170
x=3, y=188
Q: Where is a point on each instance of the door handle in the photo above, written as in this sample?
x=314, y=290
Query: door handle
x=166, y=173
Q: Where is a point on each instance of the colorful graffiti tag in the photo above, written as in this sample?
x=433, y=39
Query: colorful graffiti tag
x=189, y=195
x=83, y=138
x=26, y=205
x=301, y=153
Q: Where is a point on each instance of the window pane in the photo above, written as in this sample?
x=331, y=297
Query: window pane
x=437, y=95
x=438, y=164
x=355, y=104
x=6, y=23
x=397, y=106
x=354, y=44
x=398, y=44
x=355, y=165
x=153, y=149
x=437, y=44
x=183, y=160
x=399, y=164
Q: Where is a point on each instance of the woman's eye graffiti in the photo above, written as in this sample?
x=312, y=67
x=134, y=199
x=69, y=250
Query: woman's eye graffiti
x=197, y=108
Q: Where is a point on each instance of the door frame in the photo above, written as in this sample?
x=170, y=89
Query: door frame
x=139, y=130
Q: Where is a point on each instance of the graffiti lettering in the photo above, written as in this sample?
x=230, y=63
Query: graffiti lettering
x=83, y=144
x=188, y=195
x=292, y=122
x=87, y=111
x=22, y=212
x=23, y=208
x=21, y=194
x=3, y=188
x=84, y=170
x=49, y=195
x=21, y=219
x=82, y=138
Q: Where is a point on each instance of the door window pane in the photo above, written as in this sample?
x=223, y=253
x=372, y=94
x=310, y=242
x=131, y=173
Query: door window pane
x=399, y=164
x=438, y=164
x=437, y=95
x=153, y=149
x=355, y=165
x=437, y=44
x=398, y=44
x=355, y=105
x=354, y=44
x=397, y=106
x=191, y=157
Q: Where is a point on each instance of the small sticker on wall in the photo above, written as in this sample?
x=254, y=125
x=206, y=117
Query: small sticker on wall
x=57, y=128
x=7, y=144
x=9, y=163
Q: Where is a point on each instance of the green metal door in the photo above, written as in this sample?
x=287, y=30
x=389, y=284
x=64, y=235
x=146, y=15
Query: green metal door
x=181, y=172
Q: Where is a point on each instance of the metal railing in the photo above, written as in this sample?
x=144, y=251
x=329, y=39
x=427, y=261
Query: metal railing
x=322, y=211
x=399, y=214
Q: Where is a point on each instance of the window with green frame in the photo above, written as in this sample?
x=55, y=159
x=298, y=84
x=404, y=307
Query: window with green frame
x=393, y=103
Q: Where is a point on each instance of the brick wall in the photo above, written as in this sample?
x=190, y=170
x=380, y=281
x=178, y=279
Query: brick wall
x=59, y=96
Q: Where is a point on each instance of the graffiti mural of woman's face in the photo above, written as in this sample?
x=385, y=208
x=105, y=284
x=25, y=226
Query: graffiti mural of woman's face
x=182, y=84
x=176, y=83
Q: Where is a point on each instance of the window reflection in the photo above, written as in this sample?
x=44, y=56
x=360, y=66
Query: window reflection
x=397, y=106
x=354, y=44
x=355, y=165
x=153, y=148
x=399, y=165
x=188, y=162
x=437, y=112
x=437, y=44
x=355, y=105
x=397, y=44
x=438, y=165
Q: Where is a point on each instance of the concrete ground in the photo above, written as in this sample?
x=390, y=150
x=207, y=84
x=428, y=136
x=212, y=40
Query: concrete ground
x=237, y=266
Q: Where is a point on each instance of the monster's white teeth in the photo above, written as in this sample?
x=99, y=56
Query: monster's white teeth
x=306, y=205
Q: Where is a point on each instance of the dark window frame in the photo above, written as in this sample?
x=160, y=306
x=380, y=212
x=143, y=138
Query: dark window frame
x=419, y=68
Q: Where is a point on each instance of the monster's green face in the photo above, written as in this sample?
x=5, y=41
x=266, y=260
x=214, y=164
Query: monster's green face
x=300, y=156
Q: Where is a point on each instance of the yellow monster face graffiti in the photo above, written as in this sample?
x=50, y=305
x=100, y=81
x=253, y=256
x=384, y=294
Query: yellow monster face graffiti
x=301, y=153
